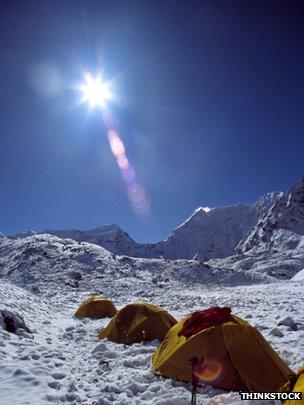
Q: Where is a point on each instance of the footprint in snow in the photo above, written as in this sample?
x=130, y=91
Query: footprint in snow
x=54, y=385
x=25, y=357
x=58, y=376
x=20, y=371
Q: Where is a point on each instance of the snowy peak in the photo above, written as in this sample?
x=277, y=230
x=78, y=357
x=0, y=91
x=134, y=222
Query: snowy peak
x=268, y=200
x=295, y=198
x=111, y=237
x=214, y=233
x=288, y=212
x=207, y=233
x=283, y=225
x=203, y=209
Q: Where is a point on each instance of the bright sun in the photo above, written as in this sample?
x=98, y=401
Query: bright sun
x=95, y=91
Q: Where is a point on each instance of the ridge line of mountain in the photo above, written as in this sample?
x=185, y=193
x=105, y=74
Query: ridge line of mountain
x=207, y=233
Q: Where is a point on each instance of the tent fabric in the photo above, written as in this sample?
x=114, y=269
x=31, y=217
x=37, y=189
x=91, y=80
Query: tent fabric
x=233, y=356
x=298, y=387
x=204, y=319
x=138, y=322
x=96, y=307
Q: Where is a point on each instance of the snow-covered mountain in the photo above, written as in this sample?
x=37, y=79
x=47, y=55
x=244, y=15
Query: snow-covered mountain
x=206, y=234
x=275, y=245
x=46, y=261
x=215, y=232
x=267, y=236
x=110, y=237
x=282, y=227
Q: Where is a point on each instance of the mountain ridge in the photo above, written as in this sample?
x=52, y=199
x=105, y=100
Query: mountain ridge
x=207, y=233
x=283, y=224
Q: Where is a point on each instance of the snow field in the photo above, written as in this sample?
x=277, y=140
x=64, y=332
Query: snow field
x=64, y=362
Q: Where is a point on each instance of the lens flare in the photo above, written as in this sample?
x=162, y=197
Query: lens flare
x=123, y=162
x=208, y=370
x=116, y=145
x=96, y=92
x=128, y=175
x=135, y=191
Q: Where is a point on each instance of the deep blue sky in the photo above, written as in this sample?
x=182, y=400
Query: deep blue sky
x=212, y=112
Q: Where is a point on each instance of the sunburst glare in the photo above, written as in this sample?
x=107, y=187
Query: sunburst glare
x=95, y=91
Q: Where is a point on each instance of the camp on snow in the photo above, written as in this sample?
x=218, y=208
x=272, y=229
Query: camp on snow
x=138, y=322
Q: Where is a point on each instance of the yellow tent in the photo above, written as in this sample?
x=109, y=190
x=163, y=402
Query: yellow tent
x=298, y=387
x=96, y=307
x=138, y=322
x=233, y=356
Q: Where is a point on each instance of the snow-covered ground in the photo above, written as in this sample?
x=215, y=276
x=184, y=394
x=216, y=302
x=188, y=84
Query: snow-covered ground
x=45, y=278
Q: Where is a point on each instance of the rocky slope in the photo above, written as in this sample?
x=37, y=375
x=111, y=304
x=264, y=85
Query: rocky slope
x=275, y=245
x=46, y=261
x=266, y=237
x=204, y=235
x=215, y=232
x=282, y=227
